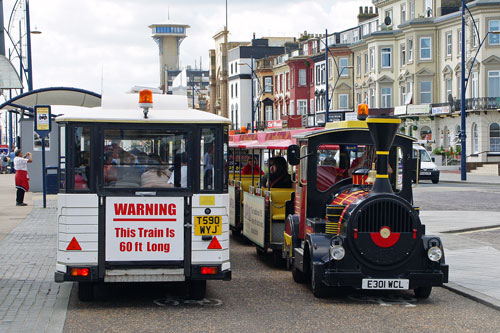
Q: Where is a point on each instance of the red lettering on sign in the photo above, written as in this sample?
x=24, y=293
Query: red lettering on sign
x=140, y=209
x=145, y=209
x=120, y=209
x=149, y=209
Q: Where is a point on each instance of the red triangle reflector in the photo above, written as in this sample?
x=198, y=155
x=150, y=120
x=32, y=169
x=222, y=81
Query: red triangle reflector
x=214, y=244
x=74, y=246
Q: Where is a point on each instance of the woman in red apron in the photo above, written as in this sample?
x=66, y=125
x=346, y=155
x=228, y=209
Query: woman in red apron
x=22, y=179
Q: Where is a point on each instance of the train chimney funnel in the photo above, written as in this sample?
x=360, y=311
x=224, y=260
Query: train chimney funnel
x=383, y=130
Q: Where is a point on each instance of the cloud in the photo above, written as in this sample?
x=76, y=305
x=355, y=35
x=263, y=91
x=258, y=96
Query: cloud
x=83, y=41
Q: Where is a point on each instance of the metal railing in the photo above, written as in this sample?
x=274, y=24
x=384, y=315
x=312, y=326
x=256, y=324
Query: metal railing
x=474, y=104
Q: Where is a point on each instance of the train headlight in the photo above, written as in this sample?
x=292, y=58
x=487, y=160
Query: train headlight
x=434, y=253
x=337, y=252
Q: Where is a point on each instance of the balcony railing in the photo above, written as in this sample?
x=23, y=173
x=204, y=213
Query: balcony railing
x=475, y=104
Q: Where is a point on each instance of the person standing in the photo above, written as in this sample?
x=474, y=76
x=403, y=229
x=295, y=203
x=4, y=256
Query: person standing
x=4, y=160
x=22, y=179
x=12, y=155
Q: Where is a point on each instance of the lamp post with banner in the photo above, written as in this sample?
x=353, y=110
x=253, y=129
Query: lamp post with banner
x=43, y=127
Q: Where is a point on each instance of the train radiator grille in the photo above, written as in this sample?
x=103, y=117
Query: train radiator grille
x=385, y=213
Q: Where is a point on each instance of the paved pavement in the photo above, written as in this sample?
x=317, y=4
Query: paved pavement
x=474, y=265
x=31, y=300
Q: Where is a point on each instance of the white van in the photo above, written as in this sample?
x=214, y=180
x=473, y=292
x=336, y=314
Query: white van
x=428, y=170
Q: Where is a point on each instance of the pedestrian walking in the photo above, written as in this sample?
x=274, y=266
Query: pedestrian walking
x=22, y=179
x=4, y=162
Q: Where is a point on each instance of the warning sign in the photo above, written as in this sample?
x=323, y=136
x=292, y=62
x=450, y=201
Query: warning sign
x=145, y=229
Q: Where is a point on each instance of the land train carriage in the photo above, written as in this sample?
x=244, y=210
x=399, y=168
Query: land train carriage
x=257, y=210
x=356, y=227
x=144, y=198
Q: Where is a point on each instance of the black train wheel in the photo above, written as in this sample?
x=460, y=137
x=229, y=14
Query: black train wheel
x=423, y=292
x=85, y=291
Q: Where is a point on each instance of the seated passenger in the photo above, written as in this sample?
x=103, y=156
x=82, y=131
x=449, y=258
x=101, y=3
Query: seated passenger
x=278, y=174
x=365, y=161
x=247, y=169
x=156, y=175
x=183, y=178
x=110, y=172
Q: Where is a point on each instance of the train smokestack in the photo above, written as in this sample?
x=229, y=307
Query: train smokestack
x=383, y=130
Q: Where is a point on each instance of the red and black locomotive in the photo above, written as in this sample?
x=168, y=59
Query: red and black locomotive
x=355, y=224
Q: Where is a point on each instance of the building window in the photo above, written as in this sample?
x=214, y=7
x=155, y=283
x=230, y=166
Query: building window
x=448, y=44
x=301, y=106
x=475, y=139
x=495, y=138
x=269, y=112
x=372, y=59
x=322, y=73
x=425, y=92
x=268, y=84
x=386, y=56
x=302, y=77
x=292, y=107
x=425, y=48
x=231, y=68
x=367, y=66
x=287, y=79
x=232, y=117
x=388, y=13
x=318, y=69
x=403, y=55
x=403, y=95
x=330, y=68
x=358, y=65
x=475, y=34
x=494, y=25
x=236, y=90
x=448, y=89
x=386, y=98
x=428, y=8
x=343, y=63
x=358, y=98
x=475, y=86
x=311, y=102
x=412, y=10
x=366, y=99
x=372, y=97
x=493, y=83
x=410, y=50
x=425, y=133
x=343, y=101
x=403, y=13
x=459, y=42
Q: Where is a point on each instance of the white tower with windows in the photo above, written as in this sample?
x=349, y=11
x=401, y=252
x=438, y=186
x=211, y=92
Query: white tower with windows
x=169, y=38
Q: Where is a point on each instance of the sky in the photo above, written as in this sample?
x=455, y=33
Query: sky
x=106, y=45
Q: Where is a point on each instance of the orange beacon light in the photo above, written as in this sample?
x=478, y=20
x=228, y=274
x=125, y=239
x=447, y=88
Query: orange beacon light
x=362, y=111
x=145, y=100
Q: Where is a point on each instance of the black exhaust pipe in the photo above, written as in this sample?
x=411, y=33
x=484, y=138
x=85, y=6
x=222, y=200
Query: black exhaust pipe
x=383, y=130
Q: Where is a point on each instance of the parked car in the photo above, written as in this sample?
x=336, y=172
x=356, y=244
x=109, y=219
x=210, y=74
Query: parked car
x=428, y=169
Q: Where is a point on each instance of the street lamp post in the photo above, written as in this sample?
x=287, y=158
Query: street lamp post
x=463, y=162
x=252, y=96
x=339, y=71
x=463, y=85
